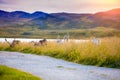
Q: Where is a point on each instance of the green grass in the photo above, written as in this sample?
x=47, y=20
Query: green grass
x=106, y=54
x=7, y=73
x=27, y=32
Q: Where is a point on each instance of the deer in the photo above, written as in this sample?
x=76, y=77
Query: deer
x=41, y=42
x=14, y=42
x=96, y=41
x=65, y=38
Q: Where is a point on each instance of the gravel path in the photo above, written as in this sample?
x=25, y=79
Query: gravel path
x=55, y=69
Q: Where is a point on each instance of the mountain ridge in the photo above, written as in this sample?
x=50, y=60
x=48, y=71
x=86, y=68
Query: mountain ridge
x=110, y=18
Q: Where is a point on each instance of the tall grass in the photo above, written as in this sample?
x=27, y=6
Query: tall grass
x=106, y=54
x=7, y=73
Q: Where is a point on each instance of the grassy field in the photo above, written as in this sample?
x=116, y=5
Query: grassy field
x=7, y=73
x=28, y=32
x=106, y=54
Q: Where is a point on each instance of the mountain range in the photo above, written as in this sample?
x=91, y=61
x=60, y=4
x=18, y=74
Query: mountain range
x=63, y=20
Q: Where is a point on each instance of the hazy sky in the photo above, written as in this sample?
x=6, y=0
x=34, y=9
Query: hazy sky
x=53, y=6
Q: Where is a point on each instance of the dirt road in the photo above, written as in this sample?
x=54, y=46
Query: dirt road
x=55, y=69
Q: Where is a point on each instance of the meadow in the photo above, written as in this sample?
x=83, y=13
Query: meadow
x=106, y=54
x=7, y=73
x=34, y=32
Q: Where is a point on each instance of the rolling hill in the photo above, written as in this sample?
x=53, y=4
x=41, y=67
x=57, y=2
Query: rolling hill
x=43, y=20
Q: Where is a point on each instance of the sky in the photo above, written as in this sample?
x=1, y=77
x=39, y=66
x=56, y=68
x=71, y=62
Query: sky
x=54, y=6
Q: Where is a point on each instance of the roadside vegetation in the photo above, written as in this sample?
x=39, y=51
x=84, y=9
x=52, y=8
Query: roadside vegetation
x=106, y=54
x=7, y=73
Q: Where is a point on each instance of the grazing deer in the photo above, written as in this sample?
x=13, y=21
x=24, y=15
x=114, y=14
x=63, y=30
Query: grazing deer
x=14, y=42
x=59, y=40
x=65, y=38
x=41, y=42
x=96, y=41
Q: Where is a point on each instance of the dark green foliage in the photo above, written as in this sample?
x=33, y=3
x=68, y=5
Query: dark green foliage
x=26, y=33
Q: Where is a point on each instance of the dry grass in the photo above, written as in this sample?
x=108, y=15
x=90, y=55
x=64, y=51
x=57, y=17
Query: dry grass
x=106, y=54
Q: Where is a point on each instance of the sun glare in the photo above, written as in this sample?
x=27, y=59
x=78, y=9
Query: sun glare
x=110, y=1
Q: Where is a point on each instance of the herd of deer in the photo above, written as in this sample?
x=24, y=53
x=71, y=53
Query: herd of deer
x=16, y=42
x=39, y=43
x=44, y=41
